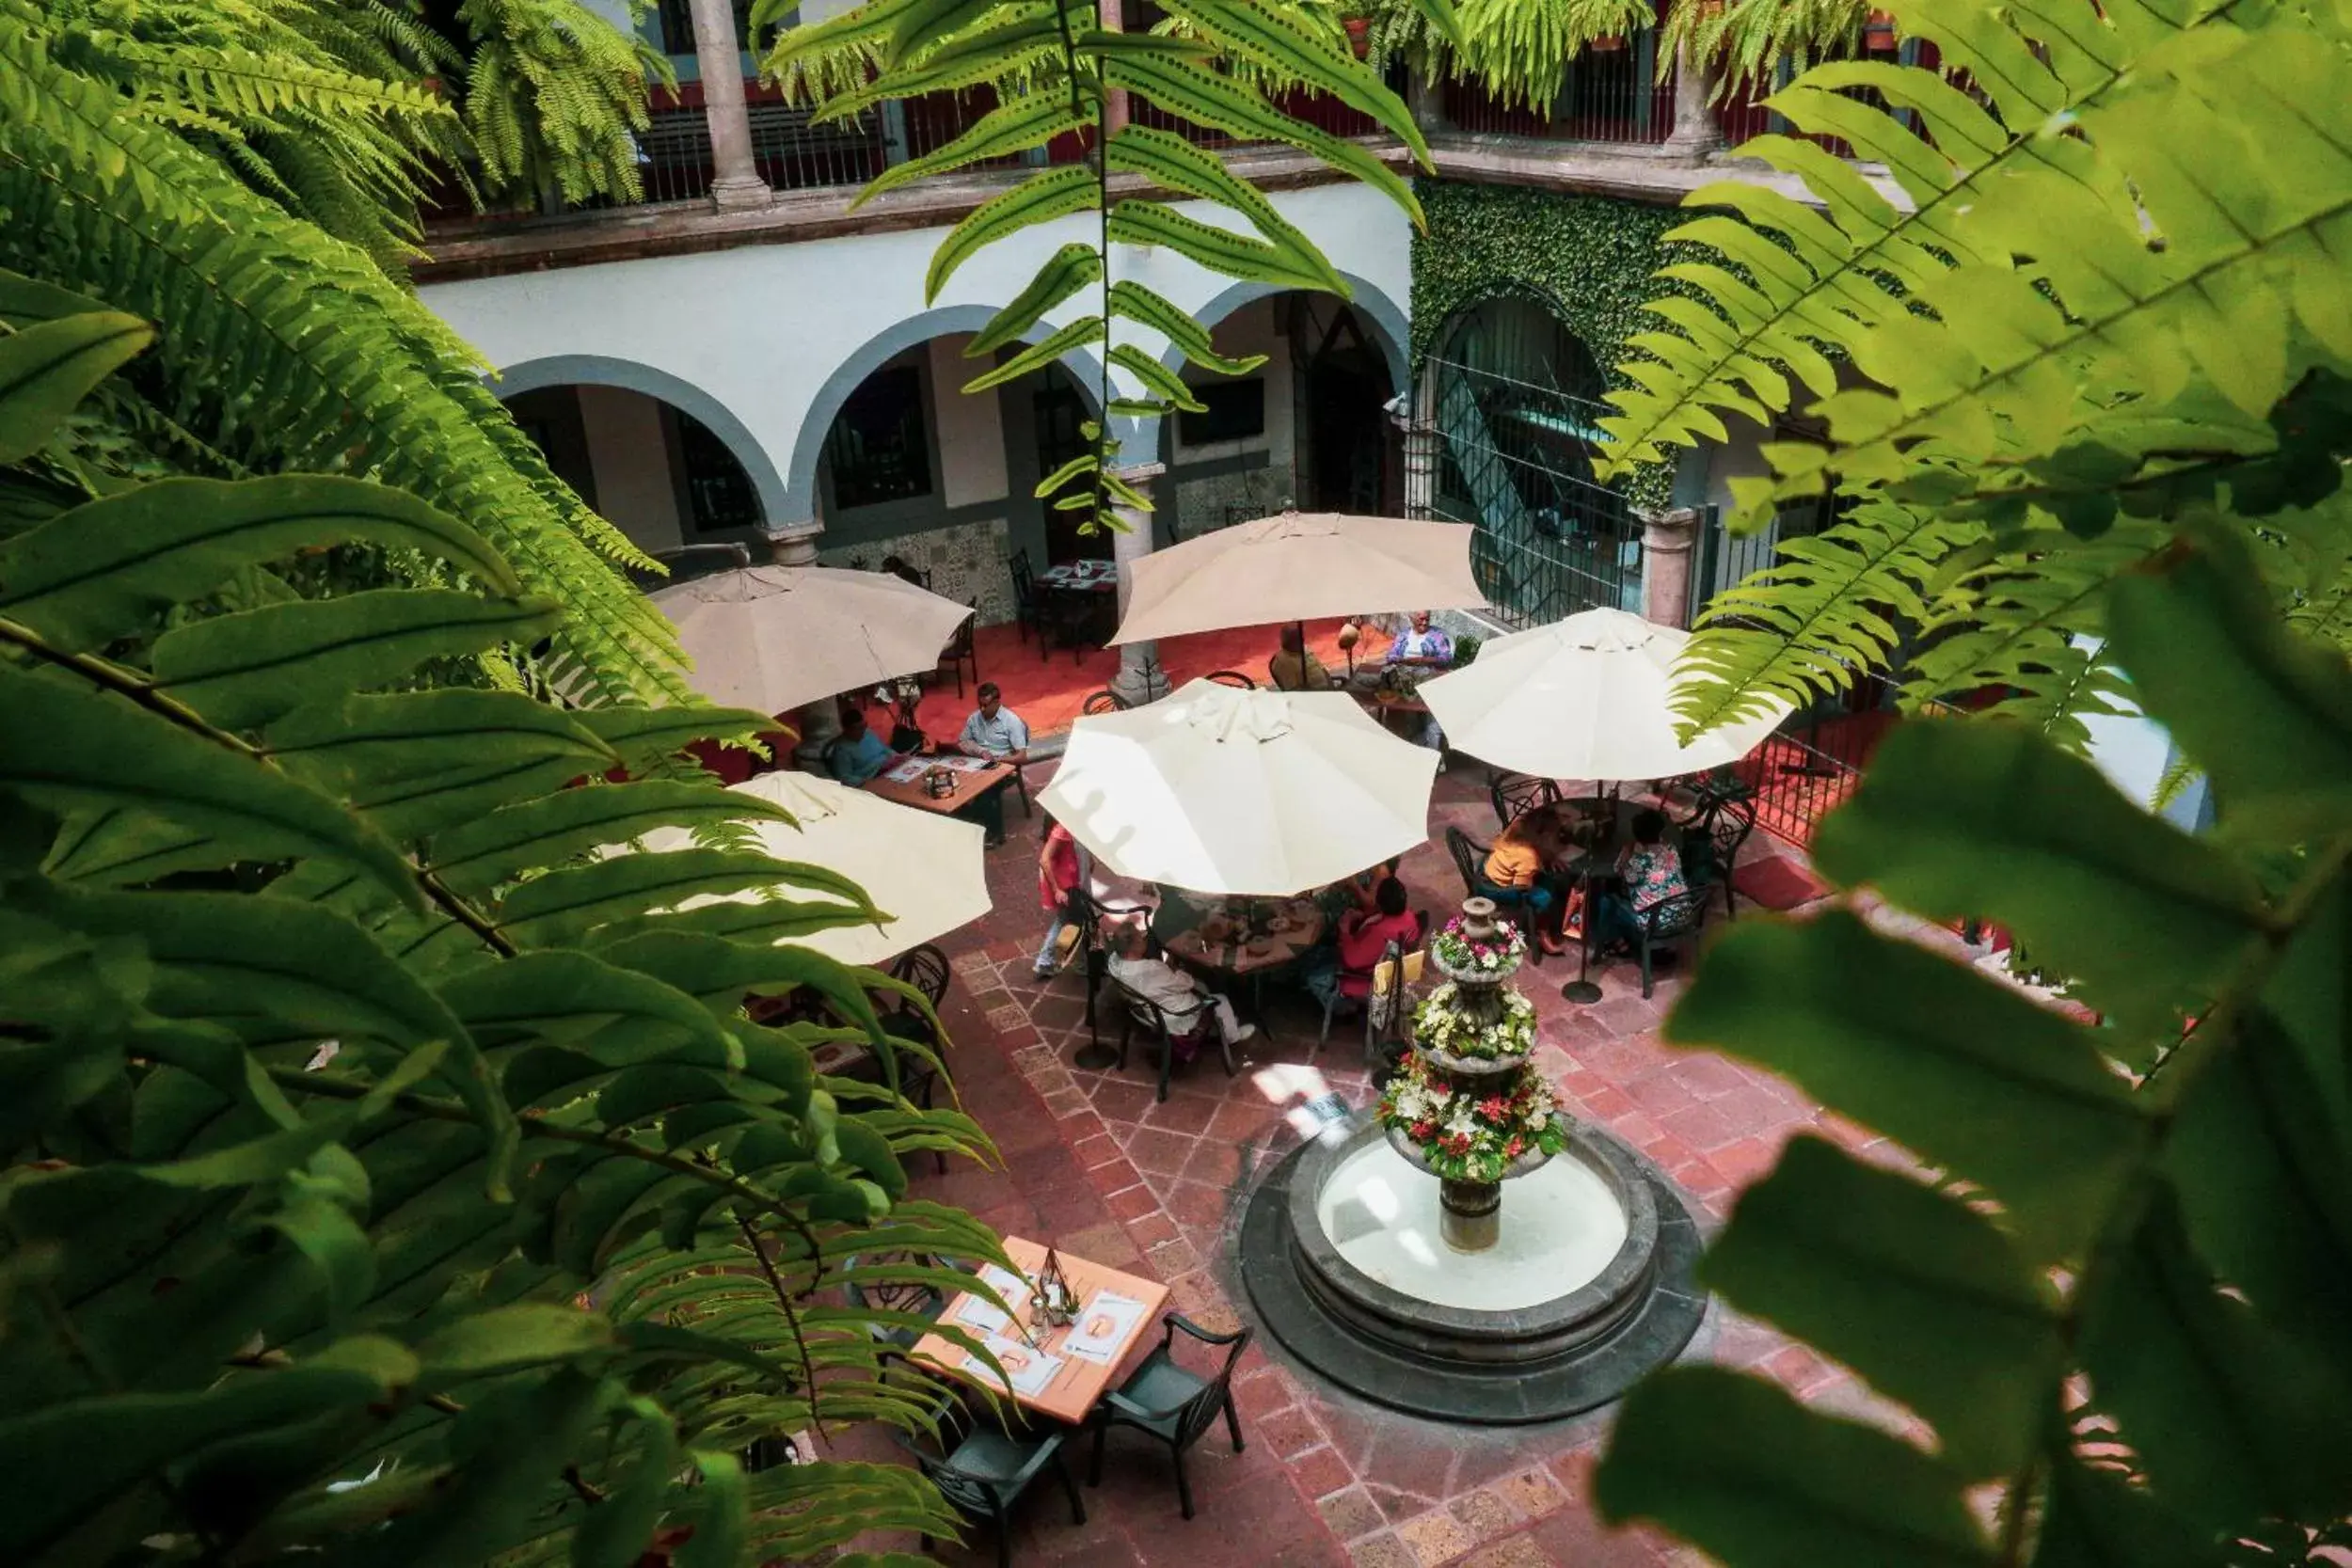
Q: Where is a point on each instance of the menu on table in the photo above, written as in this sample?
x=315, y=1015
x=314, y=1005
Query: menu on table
x=1102, y=1326
x=1029, y=1369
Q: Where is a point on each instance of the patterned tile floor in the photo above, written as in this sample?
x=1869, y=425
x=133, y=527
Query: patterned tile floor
x=1092, y=1162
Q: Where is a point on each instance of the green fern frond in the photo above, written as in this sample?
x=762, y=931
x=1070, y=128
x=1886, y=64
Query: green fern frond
x=1829, y=608
x=292, y=349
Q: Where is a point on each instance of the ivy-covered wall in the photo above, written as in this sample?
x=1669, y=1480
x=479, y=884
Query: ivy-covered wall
x=1590, y=259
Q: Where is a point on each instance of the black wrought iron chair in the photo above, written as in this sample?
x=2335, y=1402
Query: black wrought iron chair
x=1711, y=841
x=1470, y=859
x=1050, y=614
x=1139, y=1012
x=926, y=969
x=982, y=1472
x=1670, y=923
x=1173, y=1404
x=1513, y=795
x=1232, y=678
x=1339, y=990
x=910, y=1298
x=1101, y=701
x=960, y=650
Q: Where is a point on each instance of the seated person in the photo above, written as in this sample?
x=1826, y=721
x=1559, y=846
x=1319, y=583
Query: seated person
x=1363, y=889
x=1519, y=869
x=860, y=753
x=1651, y=872
x=996, y=733
x=1344, y=970
x=1295, y=669
x=1180, y=997
x=1422, y=647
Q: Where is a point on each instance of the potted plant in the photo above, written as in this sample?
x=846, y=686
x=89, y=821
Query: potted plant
x=1359, y=34
x=1878, y=32
x=1612, y=44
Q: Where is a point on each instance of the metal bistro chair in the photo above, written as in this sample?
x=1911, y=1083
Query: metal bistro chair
x=1387, y=1020
x=1174, y=1406
x=1513, y=795
x=1340, y=991
x=907, y=1298
x=1674, y=922
x=1045, y=611
x=960, y=650
x=1101, y=701
x=1470, y=859
x=1232, y=678
x=982, y=1472
x=1712, y=842
x=1138, y=1011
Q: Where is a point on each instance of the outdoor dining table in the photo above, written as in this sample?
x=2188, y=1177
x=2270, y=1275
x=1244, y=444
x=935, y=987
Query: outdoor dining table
x=972, y=778
x=1188, y=928
x=1075, y=1383
x=1094, y=585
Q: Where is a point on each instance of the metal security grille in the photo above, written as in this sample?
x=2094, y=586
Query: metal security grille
x=1514, y=399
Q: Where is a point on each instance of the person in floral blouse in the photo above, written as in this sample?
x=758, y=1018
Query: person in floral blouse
x=1650, y=870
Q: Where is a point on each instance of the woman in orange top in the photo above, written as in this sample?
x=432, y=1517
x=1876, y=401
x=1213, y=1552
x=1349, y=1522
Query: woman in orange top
x=1518, y=870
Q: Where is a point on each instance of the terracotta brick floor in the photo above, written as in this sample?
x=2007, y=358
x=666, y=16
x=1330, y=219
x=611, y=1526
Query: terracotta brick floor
x=1092, y=1163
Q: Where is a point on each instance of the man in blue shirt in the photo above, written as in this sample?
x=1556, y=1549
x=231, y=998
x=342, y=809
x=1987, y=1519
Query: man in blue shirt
x=996, y=733
x=1424, y=647
x=860, y=753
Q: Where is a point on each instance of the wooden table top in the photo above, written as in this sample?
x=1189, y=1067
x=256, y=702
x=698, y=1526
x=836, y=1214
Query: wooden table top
x=1182, y=922
x=970, y=785
x=1079, y=1385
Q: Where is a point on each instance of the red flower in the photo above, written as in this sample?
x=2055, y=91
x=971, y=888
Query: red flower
x=1423, y=1128
x=1496, y=1109
x=1514, y=1148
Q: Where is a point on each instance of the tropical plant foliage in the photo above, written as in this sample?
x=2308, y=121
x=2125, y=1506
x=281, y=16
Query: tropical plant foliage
x=338, y=1062
x=241, y=175
x=2113, y=301
x=2115, y=1321
x=1058, y=73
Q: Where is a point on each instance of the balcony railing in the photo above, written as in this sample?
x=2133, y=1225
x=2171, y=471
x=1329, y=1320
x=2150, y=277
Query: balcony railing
x=1607, y=95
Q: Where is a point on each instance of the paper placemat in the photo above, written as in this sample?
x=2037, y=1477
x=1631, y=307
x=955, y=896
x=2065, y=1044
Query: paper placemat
x=1029, y=1369
x=978, y=1314
x=1102, y=1327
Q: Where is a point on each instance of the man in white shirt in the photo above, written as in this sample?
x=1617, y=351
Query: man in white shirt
x=996, y=733
x=1179, y=996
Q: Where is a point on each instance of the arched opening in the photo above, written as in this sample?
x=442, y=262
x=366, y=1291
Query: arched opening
x=656, y=471
x=913, y=468
x=1514, y=399
x=1309, y=428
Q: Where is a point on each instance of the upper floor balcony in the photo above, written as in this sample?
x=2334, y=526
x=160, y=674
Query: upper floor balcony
x=1620, y=124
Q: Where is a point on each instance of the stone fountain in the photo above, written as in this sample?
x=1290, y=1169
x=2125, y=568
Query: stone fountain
x=1467, y=1249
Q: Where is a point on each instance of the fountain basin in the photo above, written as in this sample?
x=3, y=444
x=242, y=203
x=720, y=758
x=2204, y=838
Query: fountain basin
x=1588, y=1285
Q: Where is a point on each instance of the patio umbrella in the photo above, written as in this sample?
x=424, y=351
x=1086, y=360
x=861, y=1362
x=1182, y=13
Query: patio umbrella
x=773, y=637
x=1584, y=698
x=922, y=869
x=1298, y=566
x=1223, y=790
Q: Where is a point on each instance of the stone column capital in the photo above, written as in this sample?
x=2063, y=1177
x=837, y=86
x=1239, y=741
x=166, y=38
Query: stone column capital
x=793, y=544
x=1139, y=473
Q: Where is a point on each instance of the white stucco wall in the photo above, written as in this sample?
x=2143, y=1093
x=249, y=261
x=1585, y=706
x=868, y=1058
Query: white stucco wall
x=760, y=330
x=971, y=436
x=629, y=456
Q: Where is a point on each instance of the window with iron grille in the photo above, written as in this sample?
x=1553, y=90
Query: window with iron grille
x=718, y=492
x=877, y=451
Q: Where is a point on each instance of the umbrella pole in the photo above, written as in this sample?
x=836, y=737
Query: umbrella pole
x=1581, y=988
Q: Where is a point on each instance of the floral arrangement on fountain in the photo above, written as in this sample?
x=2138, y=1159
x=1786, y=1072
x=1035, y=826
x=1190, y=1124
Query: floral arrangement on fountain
x=1467, y=1106
x=1466, y=1138
x=1440, y=1023
x=1495, y=951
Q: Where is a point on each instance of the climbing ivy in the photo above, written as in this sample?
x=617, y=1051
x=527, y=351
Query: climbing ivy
x=1590, y=260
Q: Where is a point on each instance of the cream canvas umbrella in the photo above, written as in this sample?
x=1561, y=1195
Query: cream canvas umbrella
x=772, y=638
x=1223, y=790
x=1590, y=697
x=922, y=869
x=1298, y=566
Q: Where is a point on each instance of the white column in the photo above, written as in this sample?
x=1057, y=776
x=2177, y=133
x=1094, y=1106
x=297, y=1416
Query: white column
x=1696, y=134
x=719, y=55
x=1140, y=679
x=1667, y=538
